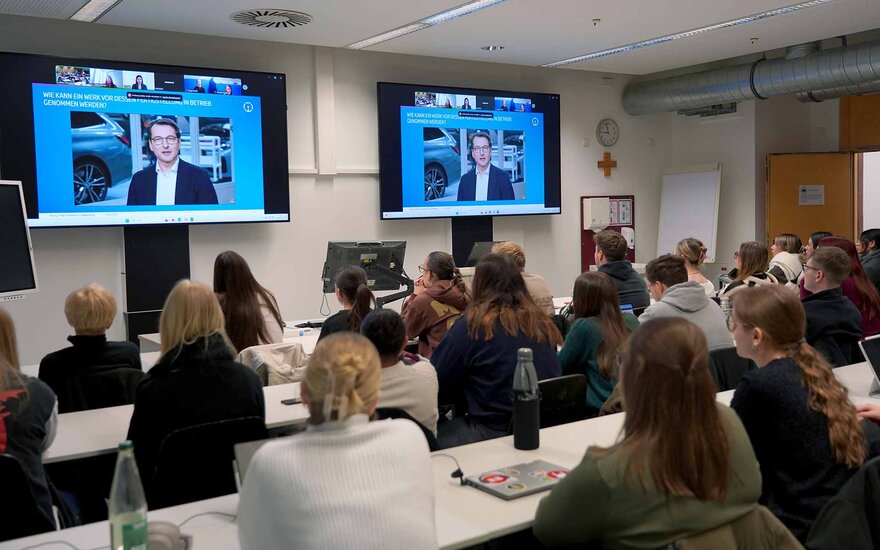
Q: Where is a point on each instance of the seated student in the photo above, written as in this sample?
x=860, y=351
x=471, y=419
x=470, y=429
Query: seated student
x=438, y=300
x=599, y=330
x=870, y=244
x=195, y=380
x=479, y=354
x=751, y=261
x=356, y=298
x=675, y=296
x=346, y=482
x=802, y=426
x=609, y=257
x=693, y=252
x=90, y=311
x=812, y=244
x=409, y=382
x=251, y=311
x=834, y=324
x=785, y=261
x=536, y=285
x=860, y=291
x=683, y=466
x=28, y=417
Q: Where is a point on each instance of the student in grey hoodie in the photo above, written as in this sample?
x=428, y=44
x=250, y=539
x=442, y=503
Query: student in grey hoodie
x=610, y=250
x=677, y=297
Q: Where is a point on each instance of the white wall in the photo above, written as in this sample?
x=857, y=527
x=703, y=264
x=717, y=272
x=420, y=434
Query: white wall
x=287, y=258
x=870, y=190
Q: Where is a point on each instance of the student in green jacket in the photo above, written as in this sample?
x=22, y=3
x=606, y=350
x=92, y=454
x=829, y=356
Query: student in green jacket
x=599, y=330
x=683, y=466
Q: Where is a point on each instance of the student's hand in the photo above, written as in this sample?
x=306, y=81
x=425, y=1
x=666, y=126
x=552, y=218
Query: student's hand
x=869, y=411
x=418, y=287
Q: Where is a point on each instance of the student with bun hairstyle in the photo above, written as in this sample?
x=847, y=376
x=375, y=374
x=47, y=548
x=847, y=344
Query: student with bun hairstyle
x=682, y=466
x=801, y=424
x=439, y=298
x=599, y=330
x=694, y=253
x=751, y=260
x=346, y=482
x=356, y=298
x=251, y=311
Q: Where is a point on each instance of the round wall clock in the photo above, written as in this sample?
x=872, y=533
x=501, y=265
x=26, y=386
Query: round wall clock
x=607, y=132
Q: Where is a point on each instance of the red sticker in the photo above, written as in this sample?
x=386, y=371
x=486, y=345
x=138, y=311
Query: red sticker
x=557, y=474
x=494, y=478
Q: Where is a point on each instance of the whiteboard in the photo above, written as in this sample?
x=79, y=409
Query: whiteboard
x=689, y=208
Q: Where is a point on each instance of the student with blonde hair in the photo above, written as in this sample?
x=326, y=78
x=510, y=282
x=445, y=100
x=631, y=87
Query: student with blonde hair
x=801, y=424
x=90, y=310
x=28, y=416
x=195, y=380
x=682, y=466
x=785, y=259
x=346, y=482
x=693, y=251
x=751, y=260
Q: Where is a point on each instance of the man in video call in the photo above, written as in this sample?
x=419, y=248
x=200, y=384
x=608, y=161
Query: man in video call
x=198, y=88
x=170, y=180
x=485, y=181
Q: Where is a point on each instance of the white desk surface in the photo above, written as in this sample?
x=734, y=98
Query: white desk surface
x=464, y=516
x=308, y=337
x=148, y=359
x=99, y=431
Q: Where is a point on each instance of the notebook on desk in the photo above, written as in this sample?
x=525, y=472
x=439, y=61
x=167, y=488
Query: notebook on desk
x=871, y=350
x=518, y=480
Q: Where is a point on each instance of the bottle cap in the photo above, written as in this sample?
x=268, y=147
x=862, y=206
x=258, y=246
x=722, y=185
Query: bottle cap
x=524, y=354
x=126, y=445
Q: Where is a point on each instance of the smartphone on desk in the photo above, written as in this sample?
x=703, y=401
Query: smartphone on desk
x=292, y=401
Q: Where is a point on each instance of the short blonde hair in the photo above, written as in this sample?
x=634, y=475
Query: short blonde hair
x=10, y=373
x=344, y=368
x=191, y=312
x=90, y=309
x=513, y=251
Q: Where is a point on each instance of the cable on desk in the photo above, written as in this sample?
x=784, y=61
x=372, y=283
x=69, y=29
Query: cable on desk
x=457, y=473
x=184, y=522
x=65, y=543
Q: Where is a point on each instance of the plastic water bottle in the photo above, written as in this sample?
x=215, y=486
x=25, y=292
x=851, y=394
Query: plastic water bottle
x=526, y=403
x=128, y=505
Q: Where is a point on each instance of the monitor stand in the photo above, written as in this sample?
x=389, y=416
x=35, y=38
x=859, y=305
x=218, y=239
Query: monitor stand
x=465, y=232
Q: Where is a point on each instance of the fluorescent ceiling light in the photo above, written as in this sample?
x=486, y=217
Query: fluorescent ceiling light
x=94, y=10
x=688, y=34
x=430, y=21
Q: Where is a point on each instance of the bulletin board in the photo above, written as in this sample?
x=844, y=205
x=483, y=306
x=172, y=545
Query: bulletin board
x=622, y=213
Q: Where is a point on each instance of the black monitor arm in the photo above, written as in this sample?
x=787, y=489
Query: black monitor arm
x=370, y=266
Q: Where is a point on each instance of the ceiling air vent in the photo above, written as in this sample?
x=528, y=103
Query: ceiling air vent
x=271, y=18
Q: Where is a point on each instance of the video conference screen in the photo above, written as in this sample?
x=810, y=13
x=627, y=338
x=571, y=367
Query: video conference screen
x=447, y=152
x=121, y=143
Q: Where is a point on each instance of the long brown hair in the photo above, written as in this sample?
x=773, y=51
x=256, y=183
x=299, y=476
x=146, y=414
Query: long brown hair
x=864, y=287
x=594, y=295
x=672, y=427
x=442, y=266
x=500, y=295
x=240, y=297
x=779, y=314
x=10, y=367
x=352, y=282
x=753, y=258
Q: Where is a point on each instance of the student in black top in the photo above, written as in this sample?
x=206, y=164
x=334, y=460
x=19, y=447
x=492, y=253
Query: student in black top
x=801, y=424
x=90, y=311
x=609, y=257
x=28, y=416
x=356, y=299
x=195, y=380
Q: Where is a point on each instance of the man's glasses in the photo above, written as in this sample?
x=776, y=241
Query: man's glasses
x=170, y=140
x=483, y=149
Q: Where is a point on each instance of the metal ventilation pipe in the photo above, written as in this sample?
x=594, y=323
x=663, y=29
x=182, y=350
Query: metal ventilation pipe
x=817, y=96
x=822, y=70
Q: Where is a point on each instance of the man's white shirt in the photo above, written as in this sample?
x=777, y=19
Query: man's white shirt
x=166, y=184
x=482, y=192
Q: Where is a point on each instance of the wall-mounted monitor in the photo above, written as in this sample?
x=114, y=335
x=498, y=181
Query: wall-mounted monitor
x=448, y=152
x=77, y=133
x=366, y=254
x=17, y=277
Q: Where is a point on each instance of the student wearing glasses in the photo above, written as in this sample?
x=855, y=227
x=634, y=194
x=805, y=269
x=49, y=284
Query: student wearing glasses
x=485, y=181
x=171, y=180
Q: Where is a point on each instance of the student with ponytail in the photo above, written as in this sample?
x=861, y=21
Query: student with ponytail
x=356, y=298
x=437, y=302
x=801, y=424
x=346, y=482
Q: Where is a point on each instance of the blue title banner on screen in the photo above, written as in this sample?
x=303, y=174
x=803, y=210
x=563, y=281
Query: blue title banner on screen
x=520, y=152
x=242, y=156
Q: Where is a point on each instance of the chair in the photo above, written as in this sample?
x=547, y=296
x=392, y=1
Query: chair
x=394, y=412
x=18, y=507
x=852, y=515
x=563, y=399
x=102, y=386
x=195, y=463
x=728, y=367
x=757, y=529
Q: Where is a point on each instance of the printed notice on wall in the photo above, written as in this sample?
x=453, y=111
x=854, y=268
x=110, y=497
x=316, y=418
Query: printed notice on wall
x=625, y=209
x=811, y=195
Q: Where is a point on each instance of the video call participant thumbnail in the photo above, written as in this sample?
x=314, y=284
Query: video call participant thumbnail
x=485, y=181
x=171, y=180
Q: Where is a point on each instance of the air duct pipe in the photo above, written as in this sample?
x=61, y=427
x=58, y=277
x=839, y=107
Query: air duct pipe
x=825, y=70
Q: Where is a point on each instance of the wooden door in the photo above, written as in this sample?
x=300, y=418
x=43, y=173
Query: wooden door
x=795, y=184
